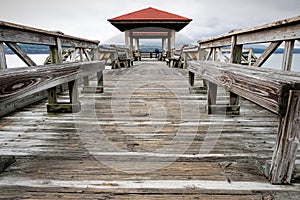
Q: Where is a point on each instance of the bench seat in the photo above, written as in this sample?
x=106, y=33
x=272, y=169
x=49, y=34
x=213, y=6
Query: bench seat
x=274, y=90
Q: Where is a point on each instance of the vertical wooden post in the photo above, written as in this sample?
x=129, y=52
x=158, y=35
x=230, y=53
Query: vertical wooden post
x=211, y=96
x=73, y=92
x=250, y=57
x=287, y=142
x=214, y=55
x=3, y=64
x=52, y=96
x=95, y=54
x=288, y=55
x=191, y=78
x=235, y=57
x=100, y=81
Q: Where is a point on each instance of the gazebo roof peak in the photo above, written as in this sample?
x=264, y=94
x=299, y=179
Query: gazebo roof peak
x=150, y=14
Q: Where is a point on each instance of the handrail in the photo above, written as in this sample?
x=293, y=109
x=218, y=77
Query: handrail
x=287, y=31
x=11, y=32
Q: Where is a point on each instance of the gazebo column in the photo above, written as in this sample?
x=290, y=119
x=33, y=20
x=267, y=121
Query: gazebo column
x=137, y=44
x=131, y=43
x=163, y=46
x=127, y=38
x=173, y=39
x=169, y=45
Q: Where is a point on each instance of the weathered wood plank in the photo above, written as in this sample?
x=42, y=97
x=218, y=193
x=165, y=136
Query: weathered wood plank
x=266, y=54
x=20, y=82
x=288, y=29
x=3, y=64
x=288, y=55
x=287, y=142
x=20, y=53
x=15, y=33
x=259, y=86
x=5, y=161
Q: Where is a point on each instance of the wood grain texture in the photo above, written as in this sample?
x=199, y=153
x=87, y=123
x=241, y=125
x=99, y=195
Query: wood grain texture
x=266, y=54
x=20, y=82
x=267, y=88
x=53, y=163
x=288, y=29
x=286, y=147
x=20, y=53
x=3, y=64
x=16, y=33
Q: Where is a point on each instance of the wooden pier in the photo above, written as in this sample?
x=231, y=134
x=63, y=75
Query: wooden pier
x=54, y=160
x=145, y=132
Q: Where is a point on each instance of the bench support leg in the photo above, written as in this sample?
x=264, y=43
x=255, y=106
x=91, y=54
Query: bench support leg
x=211, y=97
x=72, y=107
x=191, y=78
x=287, y=141
x=234, y=104
x=94, y=89
x=213, y=108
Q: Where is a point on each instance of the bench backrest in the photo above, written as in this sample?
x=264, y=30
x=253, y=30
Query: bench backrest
x=266, y=87
x=16, y=83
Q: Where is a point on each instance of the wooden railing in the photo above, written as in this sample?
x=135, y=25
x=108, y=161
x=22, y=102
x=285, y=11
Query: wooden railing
x=275, y=90
x=285, y=31
x=13, y=34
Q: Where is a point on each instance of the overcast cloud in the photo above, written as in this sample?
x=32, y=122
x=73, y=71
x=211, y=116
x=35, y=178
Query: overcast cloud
x=88, y=18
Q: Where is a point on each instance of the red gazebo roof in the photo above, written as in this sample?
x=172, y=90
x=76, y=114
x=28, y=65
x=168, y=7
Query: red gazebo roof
x=150, y=14
x=149, y=17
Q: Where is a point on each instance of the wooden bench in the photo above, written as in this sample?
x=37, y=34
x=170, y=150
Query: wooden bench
x=176, y=60
x=125, y=60
x=277, y=91
x=18, y=83
x=123, y=57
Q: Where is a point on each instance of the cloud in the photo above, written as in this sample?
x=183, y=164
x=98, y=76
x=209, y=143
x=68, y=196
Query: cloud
x=88, y=19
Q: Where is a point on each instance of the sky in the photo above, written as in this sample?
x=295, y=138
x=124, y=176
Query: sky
x=88, y=18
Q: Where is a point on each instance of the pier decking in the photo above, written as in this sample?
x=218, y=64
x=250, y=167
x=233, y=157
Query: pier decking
x=148, y=136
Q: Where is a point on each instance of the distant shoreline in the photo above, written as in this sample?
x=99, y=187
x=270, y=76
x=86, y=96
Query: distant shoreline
x=43, y=49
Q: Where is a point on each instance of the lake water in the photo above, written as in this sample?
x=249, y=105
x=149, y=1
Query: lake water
x=274, y=61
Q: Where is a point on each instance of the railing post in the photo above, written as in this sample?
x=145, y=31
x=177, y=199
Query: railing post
x=3, y=64
x=235, y=57
x=288, y=55
x=287, y=141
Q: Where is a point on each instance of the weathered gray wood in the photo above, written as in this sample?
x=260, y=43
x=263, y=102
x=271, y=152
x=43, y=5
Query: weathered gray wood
x=20, y=82
x=268, y=88
x=266, y=54
x=191, y=78
x=20, y=53
x=15, y=33
x=5, y=161
x=287, y=142
x=288, y=55
x=211, y=96
x=73, y=91
x=3, y=64
x=74, y=54
x=235, y=57
x=288, y=29
x=50, y=145
x=56, y=52
x=52, y=95
x=87, y=55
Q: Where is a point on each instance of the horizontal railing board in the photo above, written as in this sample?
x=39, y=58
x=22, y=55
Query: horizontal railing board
x=10, y=32
x=268, y=88
x=17, y=83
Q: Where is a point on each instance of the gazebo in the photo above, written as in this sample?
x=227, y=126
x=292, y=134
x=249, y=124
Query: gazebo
x=150, y=23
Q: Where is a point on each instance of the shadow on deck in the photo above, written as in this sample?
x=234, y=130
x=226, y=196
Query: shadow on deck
x=146, y=137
